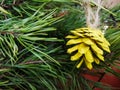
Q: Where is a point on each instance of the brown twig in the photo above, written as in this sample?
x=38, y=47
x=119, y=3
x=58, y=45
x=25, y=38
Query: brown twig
x=7, y=32
x=15, y=3
x=32, y=62
x=2, y=2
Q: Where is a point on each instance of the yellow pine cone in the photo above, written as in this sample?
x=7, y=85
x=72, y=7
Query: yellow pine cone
x=87, y=46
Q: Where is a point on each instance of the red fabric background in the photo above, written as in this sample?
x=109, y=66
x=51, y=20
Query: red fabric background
x=108, y=79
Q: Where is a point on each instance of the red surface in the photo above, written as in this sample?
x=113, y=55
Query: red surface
x=108, y=79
